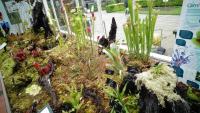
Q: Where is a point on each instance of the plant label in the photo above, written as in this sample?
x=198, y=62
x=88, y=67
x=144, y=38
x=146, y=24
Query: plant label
x=186, y=55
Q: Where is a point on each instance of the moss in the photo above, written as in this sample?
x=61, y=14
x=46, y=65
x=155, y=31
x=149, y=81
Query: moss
x=161, y=81
x=23, y=104
x=20, y=102
x=4, y=55
x=191, y=95
x=33, y=90
x=2, y=40
x=7, y=66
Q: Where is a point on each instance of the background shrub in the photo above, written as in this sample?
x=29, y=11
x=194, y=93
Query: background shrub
x=160, y=3
x=115, y=7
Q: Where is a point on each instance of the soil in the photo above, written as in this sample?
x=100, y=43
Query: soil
x=81, y=68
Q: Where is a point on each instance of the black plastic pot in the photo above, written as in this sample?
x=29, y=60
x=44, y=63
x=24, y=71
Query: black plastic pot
x=109, y=72
x=132, y=70
x=181, y=89
x=67, y=107
x=16, y=67
x=115, y=104
x=131, y=88
x=111, y=83
x=195, y=107
x=149, y=103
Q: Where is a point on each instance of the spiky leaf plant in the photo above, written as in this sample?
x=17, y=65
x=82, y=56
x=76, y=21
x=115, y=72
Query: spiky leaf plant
x=128, y=103
x=75, y=97
x=114, y=56
x=78, y=27
x=139, y=32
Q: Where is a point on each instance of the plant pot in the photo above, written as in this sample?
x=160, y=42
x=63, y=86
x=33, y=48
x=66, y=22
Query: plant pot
x=181, y=89
x=109, y=72
x=131, y=88
x=132, y=70
x=195, y=107
x=111, y=83
x=115, y=104
x=149, y=104
x=49, y=46
x=67, y=107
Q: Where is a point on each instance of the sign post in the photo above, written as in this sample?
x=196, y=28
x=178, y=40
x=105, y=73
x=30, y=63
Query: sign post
x=186, y=56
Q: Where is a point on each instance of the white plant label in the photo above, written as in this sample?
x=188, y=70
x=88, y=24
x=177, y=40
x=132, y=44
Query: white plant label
x=186, y=56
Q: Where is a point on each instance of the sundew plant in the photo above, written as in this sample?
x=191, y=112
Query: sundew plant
x=139, y=32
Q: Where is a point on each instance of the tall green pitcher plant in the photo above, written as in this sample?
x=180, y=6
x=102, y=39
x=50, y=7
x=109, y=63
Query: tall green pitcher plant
x=78, y=28
x=139, y=32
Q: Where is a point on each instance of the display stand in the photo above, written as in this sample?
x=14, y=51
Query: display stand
x=4, y=104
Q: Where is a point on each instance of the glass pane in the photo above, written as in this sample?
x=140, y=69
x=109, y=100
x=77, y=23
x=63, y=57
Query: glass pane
x=60, y=14
x=51, y=9
x=12, y=11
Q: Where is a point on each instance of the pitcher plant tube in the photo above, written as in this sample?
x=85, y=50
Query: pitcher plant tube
x=139, y=32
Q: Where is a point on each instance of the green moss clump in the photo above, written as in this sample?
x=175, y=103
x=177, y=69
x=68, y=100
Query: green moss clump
x=2, y=40
x=22, y=104
x=192, y=95
x=4, y=55
x=7, y=65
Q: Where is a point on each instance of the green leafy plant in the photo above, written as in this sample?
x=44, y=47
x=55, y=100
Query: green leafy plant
x=158, y=69
x=128, y=103
x=6, y=64
x=115, y=7
x=61, y=41
x=191, y=95
x=139, y=33
x=114, y=56
x=78, y=27
x=75, y=96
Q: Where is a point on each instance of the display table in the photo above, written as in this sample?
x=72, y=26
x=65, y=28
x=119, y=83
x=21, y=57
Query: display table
x=4, y=105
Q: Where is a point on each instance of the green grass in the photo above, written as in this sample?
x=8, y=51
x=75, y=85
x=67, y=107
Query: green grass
x=172, y=10
x=165, y=10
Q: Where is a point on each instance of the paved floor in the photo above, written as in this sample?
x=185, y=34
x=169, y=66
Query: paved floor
x=166, y=23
